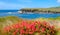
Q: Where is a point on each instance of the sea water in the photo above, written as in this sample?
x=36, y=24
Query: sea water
x=28, y=16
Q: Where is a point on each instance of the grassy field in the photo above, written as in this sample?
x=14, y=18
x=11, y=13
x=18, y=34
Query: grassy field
x=9, y=20
x=14, y=19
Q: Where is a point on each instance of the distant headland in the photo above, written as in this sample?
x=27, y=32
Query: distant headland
x=40, y=10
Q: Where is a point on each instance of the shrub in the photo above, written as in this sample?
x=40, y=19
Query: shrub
x=33, y=28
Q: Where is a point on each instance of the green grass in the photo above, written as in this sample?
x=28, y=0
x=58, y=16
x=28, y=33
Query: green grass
x=57, y=18
x=8, y=20
x=4, y=21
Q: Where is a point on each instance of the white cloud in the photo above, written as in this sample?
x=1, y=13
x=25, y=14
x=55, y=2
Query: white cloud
x=4, y=5
x=58, y=1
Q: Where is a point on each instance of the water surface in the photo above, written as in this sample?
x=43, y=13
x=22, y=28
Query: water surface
x=28, y=16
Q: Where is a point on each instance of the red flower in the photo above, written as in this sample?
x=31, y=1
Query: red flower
x=52, y=27
x=24, y=23
x=7, y=29
x=22, y=31
x=29, y=28
x=31, y=32
x=14, y=33
x=15, y=26
x=44, y=23
x=33, y=28
x=26, y=32
x=42, y=30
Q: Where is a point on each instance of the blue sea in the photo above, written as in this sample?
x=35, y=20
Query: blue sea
x=28, y=16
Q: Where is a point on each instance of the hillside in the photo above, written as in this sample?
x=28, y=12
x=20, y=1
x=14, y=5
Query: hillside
x=56, y=7
x=50, y=10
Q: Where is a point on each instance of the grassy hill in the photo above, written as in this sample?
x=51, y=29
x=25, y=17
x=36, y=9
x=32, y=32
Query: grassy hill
x=51, y=9
x=56, y=7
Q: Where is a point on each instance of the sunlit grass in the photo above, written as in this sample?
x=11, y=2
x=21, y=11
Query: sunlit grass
x=9, y=20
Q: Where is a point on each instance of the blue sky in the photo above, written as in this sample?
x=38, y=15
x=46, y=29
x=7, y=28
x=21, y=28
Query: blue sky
x=17, y=4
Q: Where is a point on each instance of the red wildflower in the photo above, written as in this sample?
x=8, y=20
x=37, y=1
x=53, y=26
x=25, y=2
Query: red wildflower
x=31, y=32
x=30, y=28
x=22, y=31
x=15, y=26
x=7, y=29
x=42, y=30
x=44, y=23
x=26, y=32
x=38, y=22
x=14, y=33
x=24, y=23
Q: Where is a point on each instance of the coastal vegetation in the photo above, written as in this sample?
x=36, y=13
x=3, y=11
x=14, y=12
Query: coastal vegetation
x=43, y=10
x=7, y=22
x=15, y=19
x=32, y=28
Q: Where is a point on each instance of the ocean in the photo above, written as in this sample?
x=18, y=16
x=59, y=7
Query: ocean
x=28, y=16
